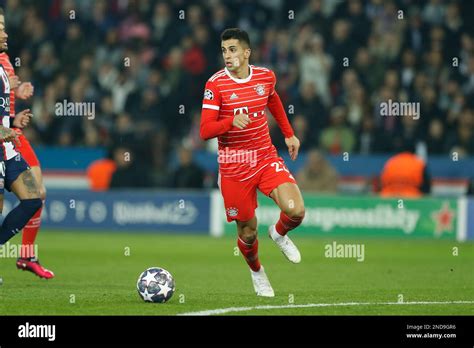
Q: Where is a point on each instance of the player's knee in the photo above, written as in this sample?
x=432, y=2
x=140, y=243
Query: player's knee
x=248, y=235
x=296, y=212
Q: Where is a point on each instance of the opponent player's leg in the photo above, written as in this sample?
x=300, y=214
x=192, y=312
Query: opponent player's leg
x=28, y=260
x=1, y=209
x=31, y=228
x=19, y=180
x=2, y=179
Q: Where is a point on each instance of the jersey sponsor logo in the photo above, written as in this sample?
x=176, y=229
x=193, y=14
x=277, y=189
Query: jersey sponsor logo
x=260, y=89
x=232, y=211
x=208, y=94
x=244, y=110
x=5, y=104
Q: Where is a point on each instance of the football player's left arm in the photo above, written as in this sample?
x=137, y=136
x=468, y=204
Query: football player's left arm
x=278, y=111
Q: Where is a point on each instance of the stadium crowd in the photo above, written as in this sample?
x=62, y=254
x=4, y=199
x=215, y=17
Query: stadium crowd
x=144, y=64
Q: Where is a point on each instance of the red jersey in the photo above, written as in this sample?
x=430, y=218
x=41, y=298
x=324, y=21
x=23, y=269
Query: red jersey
x=242, y=152
x=7, y=65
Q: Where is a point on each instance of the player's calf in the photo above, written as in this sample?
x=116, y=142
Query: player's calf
x=289, y=199
x=248, y=242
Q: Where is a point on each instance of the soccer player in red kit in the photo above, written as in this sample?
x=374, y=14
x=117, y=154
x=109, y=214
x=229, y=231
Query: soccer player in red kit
x=233, y=110
x=25, y=90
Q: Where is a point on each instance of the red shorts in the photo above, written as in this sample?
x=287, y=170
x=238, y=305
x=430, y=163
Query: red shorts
x=26, y=151
x=240, y=197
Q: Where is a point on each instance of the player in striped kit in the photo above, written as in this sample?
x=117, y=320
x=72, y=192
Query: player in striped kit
x=26, y=261
x=233, y=110
x=15, y=174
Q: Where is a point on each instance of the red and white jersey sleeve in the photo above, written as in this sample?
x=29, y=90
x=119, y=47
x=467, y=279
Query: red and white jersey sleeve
x=242, y=152
x=212, y=96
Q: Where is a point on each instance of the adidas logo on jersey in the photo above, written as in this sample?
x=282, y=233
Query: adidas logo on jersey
x=233, y=96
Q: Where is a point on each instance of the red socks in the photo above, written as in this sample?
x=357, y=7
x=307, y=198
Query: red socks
x=29, y=234
x=286, y=224
x=250, y=253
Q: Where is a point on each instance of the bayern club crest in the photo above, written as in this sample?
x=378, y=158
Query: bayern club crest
x=260, y=89
x=232, y=211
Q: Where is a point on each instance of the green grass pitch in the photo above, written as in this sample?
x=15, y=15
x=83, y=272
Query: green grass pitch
x=95, y=274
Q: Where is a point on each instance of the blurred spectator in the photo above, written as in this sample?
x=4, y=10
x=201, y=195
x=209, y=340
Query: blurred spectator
x=341, y=46
x=315, y=67
x=357, y=106
x=188, y=174
x=361, y=26
x=310, y=106
x=100, y=173
x=369, y=139
x=128, y=173
x=408, y=70
x=435, y=140
x=338, y=137
x=303, y=132
x=317, y=175
x=408, y=132
x=461, y=140
x=405, y=175
x=73, y=48
x=433, y=12
x=369, y=70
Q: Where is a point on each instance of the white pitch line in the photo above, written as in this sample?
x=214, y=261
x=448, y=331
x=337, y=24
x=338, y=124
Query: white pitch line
x=309, y=305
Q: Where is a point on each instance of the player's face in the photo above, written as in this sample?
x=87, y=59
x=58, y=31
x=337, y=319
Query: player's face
x=3, y=35
x=235, y=55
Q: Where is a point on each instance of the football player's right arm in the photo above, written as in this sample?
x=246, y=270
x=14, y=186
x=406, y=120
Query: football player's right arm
x=211, y=127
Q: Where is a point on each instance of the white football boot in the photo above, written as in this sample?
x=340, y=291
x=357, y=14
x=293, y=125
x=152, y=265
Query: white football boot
x=287, y=247
x=261, y=284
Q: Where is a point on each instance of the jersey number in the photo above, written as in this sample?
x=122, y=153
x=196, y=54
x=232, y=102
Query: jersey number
x=278, y=168
x=281, y=169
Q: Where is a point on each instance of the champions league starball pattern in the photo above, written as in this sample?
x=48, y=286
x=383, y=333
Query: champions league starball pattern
x=155, y=285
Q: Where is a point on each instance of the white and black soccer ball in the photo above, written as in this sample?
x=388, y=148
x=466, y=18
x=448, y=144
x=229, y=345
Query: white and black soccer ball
x=155, y=285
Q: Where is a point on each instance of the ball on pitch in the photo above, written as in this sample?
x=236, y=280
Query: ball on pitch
x=155, y=285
